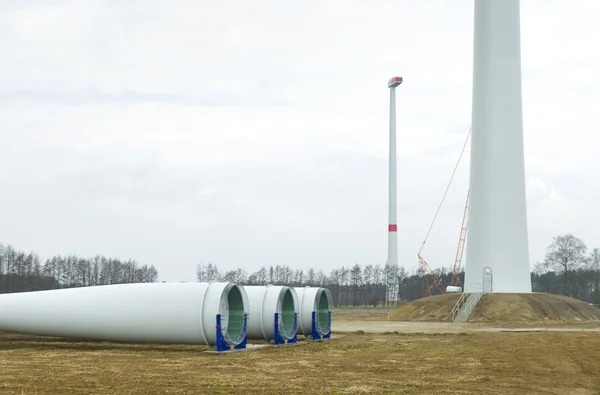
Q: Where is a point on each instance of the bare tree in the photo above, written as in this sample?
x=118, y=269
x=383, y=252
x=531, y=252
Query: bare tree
x=320, y=278
x=299, y=277
x=311, y=277
x=368, y=281
x=356, y=279
x=201, y=273
x=95, y=268
x=595, y=267
x=594, y=260
x=230, y=276
x=261, y=276
x=344, y=274
x=541, y=269
x=401, y=275
x=391, y=282
x=566, y=254
x=334, y=284
x=152, y=275
x=241, y=276
x=212, y=273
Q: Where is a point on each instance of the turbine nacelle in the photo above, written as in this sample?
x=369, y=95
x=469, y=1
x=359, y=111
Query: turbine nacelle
x=394, y=82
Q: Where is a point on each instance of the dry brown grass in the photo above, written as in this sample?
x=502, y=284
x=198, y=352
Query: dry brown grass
x=535, y=309
x=362, y=313
x=433, y=308
x=477, y=363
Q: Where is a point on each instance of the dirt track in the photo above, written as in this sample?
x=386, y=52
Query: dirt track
x=449, y=327
x=401, y=327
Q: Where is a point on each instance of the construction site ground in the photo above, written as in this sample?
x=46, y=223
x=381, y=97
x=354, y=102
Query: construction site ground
x=376, y=355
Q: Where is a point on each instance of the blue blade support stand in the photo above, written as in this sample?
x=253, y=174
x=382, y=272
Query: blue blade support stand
x=223, y=344
x=277, y=338
x=315, y=333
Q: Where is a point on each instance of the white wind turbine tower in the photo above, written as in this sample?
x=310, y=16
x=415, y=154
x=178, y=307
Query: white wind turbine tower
x=498, y=250
x=392, y=261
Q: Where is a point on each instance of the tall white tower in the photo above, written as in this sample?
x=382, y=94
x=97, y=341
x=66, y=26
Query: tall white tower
x=392, y=260
x=498, y=248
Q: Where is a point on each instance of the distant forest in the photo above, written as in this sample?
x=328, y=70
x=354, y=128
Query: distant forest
x=20, y=271
x=568, y=269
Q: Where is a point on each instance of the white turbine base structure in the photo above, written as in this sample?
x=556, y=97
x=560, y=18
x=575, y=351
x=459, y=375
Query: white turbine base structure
x=155, y=313
x=315, y=312
x=265, y=302
x=497, y=257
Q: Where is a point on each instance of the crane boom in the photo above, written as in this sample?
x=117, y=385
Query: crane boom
x=461, y=244
x=434, y=279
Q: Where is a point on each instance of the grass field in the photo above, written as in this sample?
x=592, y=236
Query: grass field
x=358, y=363
x=362, y=313
x=473, y=363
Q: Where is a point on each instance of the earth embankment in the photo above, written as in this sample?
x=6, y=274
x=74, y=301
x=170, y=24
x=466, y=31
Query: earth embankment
x=494, y=308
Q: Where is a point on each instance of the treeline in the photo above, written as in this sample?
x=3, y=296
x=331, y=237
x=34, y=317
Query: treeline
x=584, y=284
x=20, y=271
x=567, y=269
x=356, y=285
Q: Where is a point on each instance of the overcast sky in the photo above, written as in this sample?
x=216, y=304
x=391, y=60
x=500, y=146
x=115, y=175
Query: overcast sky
x=255, y=133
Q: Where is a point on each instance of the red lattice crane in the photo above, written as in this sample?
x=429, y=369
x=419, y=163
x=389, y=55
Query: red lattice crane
x=435, y=281
x=461, y=244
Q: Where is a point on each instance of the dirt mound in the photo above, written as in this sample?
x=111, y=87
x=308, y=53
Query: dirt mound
x=502, y=308
x=433, y=308
x=532, y=307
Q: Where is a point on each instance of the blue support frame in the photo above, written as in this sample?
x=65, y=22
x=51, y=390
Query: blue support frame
x=315, y=334
x=222, y=344
x=277, y=338
x=244, y=333
x=328, y=334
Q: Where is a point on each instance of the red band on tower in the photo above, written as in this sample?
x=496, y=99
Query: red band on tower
x=392, y=228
